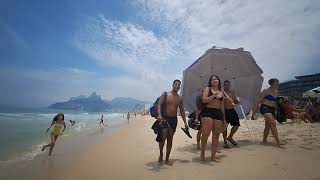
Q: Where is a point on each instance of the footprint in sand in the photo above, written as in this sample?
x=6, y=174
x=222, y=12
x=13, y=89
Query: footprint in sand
x=307, y=142
x=310, y=138
x=290, y=131
x=317, y=147
x=305, y=147
x=283, y=169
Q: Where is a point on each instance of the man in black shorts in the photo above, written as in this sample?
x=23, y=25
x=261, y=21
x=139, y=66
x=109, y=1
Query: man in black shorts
x=231, y=114
x=172, y=101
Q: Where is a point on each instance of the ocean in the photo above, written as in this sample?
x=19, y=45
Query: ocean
x=22, y=134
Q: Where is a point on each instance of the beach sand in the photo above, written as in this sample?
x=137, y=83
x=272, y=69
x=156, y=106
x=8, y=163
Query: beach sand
x=132, y=153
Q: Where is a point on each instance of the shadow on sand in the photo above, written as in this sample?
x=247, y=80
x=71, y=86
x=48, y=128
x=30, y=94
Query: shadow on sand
x=156, y=167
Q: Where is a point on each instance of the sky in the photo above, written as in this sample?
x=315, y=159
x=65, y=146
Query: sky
x=53, y=50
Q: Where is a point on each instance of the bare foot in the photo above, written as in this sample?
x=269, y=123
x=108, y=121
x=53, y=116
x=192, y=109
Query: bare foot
x=215, y=160
x=160, y=160
x=169, y=162
x=202, y=157
x=280, y=144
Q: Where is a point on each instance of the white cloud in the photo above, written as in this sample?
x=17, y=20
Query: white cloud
x=124, y=45
x=144, y=55
x=282, y=35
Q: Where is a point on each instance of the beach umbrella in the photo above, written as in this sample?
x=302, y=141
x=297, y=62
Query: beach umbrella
x=313, y=93
x=236, y=65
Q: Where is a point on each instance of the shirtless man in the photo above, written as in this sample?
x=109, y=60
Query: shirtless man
x=231, y=115
x=173, y=102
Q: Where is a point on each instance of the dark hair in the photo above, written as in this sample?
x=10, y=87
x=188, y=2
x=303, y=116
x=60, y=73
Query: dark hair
x=226, y=81
x=273, y=80
x=177, y=80
x=209, y=83
x=57, y=116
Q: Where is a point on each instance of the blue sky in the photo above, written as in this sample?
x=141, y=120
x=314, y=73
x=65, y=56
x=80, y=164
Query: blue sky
x=51, y=51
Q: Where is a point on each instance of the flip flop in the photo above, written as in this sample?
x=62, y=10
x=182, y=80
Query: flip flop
x=232, y=142
x=186, y=131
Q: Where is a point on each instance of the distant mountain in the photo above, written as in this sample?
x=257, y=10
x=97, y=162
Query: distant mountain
x=78, y=97
x=127, y=104
x=94, y=103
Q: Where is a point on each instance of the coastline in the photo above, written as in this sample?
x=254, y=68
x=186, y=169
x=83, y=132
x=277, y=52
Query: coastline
x=131, y=152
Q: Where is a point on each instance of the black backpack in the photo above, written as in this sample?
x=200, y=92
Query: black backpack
x=154, y=108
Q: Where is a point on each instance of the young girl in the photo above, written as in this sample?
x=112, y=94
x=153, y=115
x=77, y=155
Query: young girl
x=56, y=126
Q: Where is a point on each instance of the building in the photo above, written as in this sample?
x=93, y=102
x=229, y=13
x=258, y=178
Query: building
x=295, y=88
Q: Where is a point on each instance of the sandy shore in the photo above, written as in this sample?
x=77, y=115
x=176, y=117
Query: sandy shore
x=132, y=152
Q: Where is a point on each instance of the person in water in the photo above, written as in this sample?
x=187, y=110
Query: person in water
x=56, y=125
x=212, y=116
x=72, y=122
x=128, y=117
x=232, y=118
x=173, y=102
x=101, y=121
x=266, y=100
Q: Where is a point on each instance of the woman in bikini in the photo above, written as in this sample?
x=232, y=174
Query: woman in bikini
x=56, y=125
x=212, y=116
x=267, y=103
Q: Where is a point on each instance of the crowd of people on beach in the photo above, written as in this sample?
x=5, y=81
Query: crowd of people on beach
x=215, y=111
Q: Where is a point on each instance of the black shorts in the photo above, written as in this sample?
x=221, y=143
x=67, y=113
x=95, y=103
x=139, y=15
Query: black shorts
x=232, y=117
x=267, y=109
x=212, y=113
x=172, y=122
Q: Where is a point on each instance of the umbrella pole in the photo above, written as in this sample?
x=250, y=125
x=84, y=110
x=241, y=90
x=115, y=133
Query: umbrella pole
x=245, y=119
x=244, y=115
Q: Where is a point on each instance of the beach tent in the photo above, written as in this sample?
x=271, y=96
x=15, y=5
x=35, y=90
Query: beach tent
x=236, y=65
